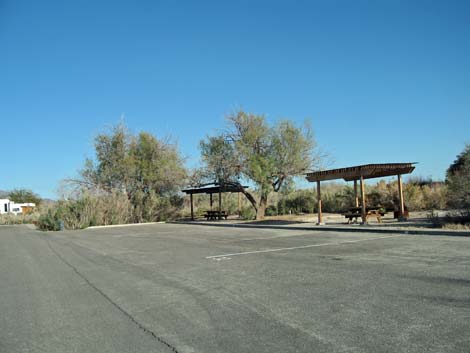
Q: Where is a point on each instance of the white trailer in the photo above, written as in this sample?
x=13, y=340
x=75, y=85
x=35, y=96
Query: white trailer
x=7, y=206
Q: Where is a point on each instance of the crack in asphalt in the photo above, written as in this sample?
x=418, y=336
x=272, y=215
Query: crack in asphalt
x=117, y=306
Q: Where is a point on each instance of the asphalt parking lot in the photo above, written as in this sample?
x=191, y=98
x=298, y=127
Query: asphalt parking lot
x=193, y=288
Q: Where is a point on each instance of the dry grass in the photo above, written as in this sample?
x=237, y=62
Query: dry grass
x=456, y=226
x=9, y=219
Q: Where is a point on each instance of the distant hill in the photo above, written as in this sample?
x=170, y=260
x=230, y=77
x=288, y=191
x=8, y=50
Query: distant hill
x=3, y=194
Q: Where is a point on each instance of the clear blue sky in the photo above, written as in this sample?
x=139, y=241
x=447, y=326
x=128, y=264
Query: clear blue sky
x=382, y=81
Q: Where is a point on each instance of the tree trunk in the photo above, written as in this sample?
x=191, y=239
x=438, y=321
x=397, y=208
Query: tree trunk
x=246, y=193
x=249, y=198
x=263, y=203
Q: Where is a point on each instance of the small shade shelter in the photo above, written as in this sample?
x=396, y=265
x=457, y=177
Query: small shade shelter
x=360, y=173
x=214, y=188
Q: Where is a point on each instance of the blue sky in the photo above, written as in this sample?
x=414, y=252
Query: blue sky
x=381, y=81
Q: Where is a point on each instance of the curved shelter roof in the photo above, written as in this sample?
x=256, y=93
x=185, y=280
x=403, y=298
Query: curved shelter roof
x=213, y=189
x=367, y=171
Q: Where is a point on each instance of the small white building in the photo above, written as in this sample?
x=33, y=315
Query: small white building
x=7, y=206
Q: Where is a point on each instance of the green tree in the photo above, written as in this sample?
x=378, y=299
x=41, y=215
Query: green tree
x=24, y=196
x=148, y=170
x=458, y=181
x=266, y=155
x=218, y=156
x=220, y=160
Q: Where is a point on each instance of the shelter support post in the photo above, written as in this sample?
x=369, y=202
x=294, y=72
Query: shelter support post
x=363, y=202
x=356, y=198
x=320, y=216
x=220, y=203
x=239, y=205
x=401, y=217
x=192, y=209
x=210, y=199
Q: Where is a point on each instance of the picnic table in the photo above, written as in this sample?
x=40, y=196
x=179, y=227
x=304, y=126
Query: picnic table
x=356, y=212
x=214, y=215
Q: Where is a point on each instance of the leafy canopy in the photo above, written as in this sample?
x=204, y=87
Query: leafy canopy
x=148, y=170
x=458, y=181
x=269, y=155
x=254, y=150
x=130, y=163
x=24, y=196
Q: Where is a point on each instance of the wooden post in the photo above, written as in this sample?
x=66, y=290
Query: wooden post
x=239, y=206
x=356, y=198
x=192, y=210
x=210, y=195
x=401, y=217
x=363, y=202
x=220, y=204
x=320, y=216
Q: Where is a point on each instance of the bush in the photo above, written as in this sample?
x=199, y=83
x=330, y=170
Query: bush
x=85, y=211
x=337, y=199
x=458, y=181
x=248, y=213
x=88, y=210
x=301, y=201
x=50, y=220
x=271, y=210
x=419, y=194
x=459, y=220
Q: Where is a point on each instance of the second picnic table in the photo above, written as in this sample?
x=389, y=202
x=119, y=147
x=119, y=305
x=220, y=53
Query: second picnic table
x=356, y=212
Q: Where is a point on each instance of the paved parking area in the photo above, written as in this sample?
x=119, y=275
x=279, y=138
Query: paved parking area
x=192, y=288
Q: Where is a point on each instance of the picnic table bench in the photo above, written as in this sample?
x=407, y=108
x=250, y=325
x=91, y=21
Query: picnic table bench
x=214, y=215
x=356, y=212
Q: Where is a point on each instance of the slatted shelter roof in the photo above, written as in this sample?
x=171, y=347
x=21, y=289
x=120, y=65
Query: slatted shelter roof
x=367, y=171
x=213, y=189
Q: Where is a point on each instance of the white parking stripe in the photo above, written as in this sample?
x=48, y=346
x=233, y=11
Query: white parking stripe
x=278, y=236
x=301, y=247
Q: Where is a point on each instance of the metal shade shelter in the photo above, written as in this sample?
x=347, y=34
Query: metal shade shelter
x=362, y=172
x=214, y=188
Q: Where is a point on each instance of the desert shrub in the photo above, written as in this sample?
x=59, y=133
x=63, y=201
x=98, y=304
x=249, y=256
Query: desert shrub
x=151, y=207
x=457, y=226
x=50, y=220
x=413, y=197
x=300, y=201
x=282, y=206
x=87, y=210
x=168, y=208
x=303, y=202
x=271, y=210
x=384, y=194
x=455, y=219
x=337, y=199
x=458, y=182
x=248, y=213
x=457, y=193
x=230, y=203
x=434, y=196
x=419, y=194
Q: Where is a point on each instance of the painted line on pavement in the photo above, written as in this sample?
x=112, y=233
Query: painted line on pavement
x=300, y=247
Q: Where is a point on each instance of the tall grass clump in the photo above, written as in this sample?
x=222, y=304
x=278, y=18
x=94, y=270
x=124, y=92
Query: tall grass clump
x=28, y=218
x=87, y=210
